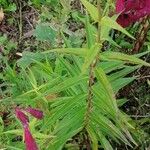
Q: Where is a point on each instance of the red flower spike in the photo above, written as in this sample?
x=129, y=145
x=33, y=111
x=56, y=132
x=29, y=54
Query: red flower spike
x=34, y=112
x=22, y=117
x=131, y=11
x=29, y=140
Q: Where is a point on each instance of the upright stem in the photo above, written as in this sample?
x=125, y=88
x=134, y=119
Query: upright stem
x=91, y=82
x=99, y=18
x=91, y=72
x=142, y=35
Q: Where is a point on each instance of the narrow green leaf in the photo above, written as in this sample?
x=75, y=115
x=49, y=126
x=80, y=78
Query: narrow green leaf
x=75, y=51
x=1, y=125
x=91, y=9
x=111, y=23
x=122, y=73
x=11, y=147
x=66, y=107
x=101, y=76
x=112, y=56
x=45, y=86
x=142, y=54
x=121, y=102
x=105, y=31
x=89, y=33
x=90, y=57
x=109, y=66
x=93, y=138
x=17, y=132
x=121, y=82
x=108, y=127
x=73, y=81
x=105, y=143
x=32, y=78
x=42, y=136
x=67, y=127
x=102, y=101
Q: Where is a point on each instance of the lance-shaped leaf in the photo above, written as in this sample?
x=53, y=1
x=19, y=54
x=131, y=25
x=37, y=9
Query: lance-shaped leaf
x=74, y=51
x=102, y=78
x=111, y=23
x=105, y=143
x=93, y=138
x=91, y=9
x=90, y=57
x=117, y=56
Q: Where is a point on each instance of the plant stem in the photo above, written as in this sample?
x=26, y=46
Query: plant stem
x=142, y=35
x=91, y=72
x=91, y=81
x=99, y=18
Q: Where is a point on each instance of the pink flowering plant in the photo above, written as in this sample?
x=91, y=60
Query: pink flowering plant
x=71, y=96
x=131, y=11
x=24, y=119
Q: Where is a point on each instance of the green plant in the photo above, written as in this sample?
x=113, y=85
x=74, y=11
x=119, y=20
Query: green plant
x=76, y=88
x=7, y=6
x=7, y=47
